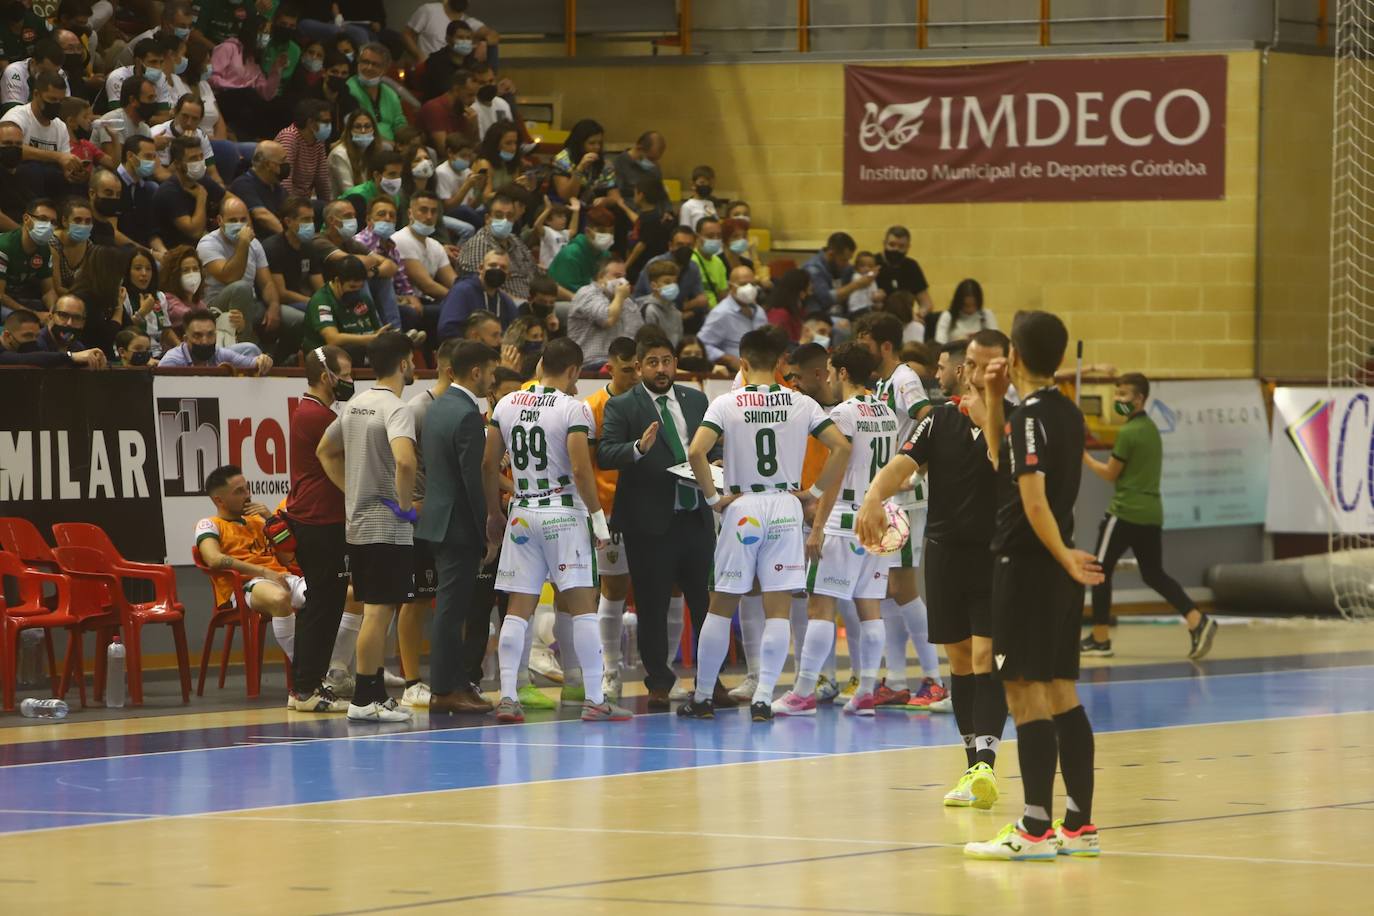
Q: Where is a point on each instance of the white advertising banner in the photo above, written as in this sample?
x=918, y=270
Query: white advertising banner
x=1322, y=461
x=1215, y=446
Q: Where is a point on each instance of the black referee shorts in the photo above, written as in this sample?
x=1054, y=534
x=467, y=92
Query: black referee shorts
x=382, y=573
x=958, y=591
x=1037, y=610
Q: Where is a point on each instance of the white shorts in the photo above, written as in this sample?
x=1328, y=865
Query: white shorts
x=761, y=538
x=909, y=557
x=610, y=560
x=294, y=584
x=846, y=570
x=553, y=545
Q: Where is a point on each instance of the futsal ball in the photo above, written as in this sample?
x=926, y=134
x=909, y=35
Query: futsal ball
x=898, y=530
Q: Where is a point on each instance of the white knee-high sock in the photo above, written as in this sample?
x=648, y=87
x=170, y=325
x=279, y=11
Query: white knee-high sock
x=567, y=648
x=918, y=628
x=820, y=639
x=610, y=616
x=346, y=640
x=772, y=654
x=712, y=646
x=522, y=677
x=850, y=615
x=751, y=630
x=871, y=636
x=676, y=605
x=508, y=651
x=587, y=636
x=895, y=650
x=797, y=619
x=284, y=628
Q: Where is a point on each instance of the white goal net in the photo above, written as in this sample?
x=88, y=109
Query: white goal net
x=1351, y=334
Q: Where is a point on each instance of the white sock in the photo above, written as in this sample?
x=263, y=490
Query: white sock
x=610, y=616
x=587, y=635
x=820, y=639
x=676, y=605
x=772, y=655
x=508, y=649
x=523, y=674
x=797, y=618
x=918, y=628
x=850, y=615
x=284, y=628
x=712, y=646
x=346, y=641
x=871, y=636
x=567, y=648
x=895, y=647
x=751, y=630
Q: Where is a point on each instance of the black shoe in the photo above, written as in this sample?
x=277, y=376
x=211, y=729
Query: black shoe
x=761, y=712
x=697, y=709
x=1091, y=648
x=1202, y=637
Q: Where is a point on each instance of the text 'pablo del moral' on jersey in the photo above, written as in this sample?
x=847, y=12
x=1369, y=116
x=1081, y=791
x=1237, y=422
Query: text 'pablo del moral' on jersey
x=765, y=429
x=906, y=395
x=535, y=425
x=1042, y=436
x=871, y=426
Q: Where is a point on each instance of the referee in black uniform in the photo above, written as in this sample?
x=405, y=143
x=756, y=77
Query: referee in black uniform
x=1037, y=592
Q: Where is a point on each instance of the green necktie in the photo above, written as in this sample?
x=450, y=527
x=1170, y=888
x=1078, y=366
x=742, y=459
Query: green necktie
x=686, y=497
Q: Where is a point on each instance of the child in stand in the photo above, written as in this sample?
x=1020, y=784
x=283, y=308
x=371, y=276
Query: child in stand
x=555, y=225
x=77, y=114
x=865, y=297
x=701, y=204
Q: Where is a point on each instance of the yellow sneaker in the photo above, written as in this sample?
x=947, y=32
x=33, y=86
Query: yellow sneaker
x=850, y=688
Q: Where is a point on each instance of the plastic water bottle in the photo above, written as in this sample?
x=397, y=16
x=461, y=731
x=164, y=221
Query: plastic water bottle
x=43, y=709
x=114, y=675
x=31, y=671
x=630, y=652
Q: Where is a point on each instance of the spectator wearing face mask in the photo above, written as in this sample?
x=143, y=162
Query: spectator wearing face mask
x=185, y=122
x=200, y=348
x=14, y=193
x=337, y=239
x=640, y=162
x=736, y=315
x=281, y=41
x=692, y=300
x=144, y=305
x=149, y=56
x=425, y=261
x=543, y=305
x=816, y=329
x=653, y=230
x=832, y=275
x=450, y=61
x=332, y=89
x=707, y=256
x=340, y=315
x=522, y=345
x=660, y=305
x=556, y=224
x=374, y=96
x=65, y=326
x=181, y=281
x=348, y=156
x=133, y=350
x=499, y=235
x=26, y=260
x=602, y=311
x=701, y=204
x=296, y=270
x=19, y=346
x=450, y=112
x=48, y=161
x=481, y=292
x=262, y=187
x=581, y=259
x=306, y=142
x=377, y=238
x=898, y=271
x=188, y=202
x=244, y=83
x=428, y=30
x=71, y=243
x=493, y=102
x=384, y=171
x=137, y=105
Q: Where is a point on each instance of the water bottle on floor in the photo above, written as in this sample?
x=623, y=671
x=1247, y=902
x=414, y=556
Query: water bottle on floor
x=114, y=675
x=631, y=650
x=32, y=670
x=43, y=709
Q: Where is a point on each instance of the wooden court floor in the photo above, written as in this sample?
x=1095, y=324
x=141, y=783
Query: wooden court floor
x=1244, y=784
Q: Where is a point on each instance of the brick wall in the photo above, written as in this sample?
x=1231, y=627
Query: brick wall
x=1165, y=287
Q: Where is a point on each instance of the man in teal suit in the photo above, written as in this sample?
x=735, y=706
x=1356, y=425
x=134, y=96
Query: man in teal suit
x=453, y=521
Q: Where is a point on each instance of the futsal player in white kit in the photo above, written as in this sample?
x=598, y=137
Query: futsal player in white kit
x=839, y=567
x=764, y=426
x=556, y=522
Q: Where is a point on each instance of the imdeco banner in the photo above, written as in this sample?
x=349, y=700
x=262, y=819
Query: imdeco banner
x=1118, y=128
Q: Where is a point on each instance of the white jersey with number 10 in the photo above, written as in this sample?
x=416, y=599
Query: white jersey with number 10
x=871, y=426
x=765, y=429
x=535, y=424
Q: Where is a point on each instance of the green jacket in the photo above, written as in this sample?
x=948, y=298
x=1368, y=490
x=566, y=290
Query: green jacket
x=575, y=264
x=387, y=112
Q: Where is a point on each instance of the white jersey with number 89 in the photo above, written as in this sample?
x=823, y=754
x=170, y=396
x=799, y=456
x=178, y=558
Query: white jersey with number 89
x=535, y=424
x=765, y=429
x=871, y=426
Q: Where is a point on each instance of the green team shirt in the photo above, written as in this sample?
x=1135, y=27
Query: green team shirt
x=324, y=311
x=19, y=268
x=1140, y=449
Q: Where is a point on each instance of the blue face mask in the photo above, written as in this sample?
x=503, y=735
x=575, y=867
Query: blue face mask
x=710, y=247
x=41, y=233
x=669, y=292
x=153, y=74
x=501, y=228
x=232, y=230
x=305, y=231
x=739, y=246
x=182, y=33
x=369, y=81
x=462, y=46
x=421, y=229
x=181, y=66
x=646, y=164
x=348, y=228
x=313, y=64
x=383, y=228
x=322, y=132
x=507, y=156
x=349, y=55
x=458, y=164
x=79, y=232
x=363, y=140
x=206, y=71
x=146, y=166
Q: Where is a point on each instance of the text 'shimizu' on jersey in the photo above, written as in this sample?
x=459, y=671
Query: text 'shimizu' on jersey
x=765, y=429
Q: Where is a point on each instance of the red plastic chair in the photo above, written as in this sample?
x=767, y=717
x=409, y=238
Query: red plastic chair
x=234, y=615
x=82, y=534
x=83, y=564
x=21, y=537
x=32, y=614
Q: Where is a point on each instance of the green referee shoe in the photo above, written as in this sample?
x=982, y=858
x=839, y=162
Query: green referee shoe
x=531, y=697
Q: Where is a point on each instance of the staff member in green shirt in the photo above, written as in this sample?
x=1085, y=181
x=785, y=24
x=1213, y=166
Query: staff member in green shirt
x=339, y=314
x=1135, y=521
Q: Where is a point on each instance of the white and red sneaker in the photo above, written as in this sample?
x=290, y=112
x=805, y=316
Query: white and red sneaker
x=860, y=704
x=793, y=704
x=1081, y=843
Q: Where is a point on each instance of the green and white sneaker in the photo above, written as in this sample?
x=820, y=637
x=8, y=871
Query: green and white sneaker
x=1080, y=844
x=572, y=695
x=605, y=712
x=1013, y=844
x=610, y=684
x=531, y=697
x=977, y=788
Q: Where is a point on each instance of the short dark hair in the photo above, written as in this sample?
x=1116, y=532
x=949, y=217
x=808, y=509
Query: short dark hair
x=48, y=50
x=477, y=319
x=560, y=355
x=543, y=285
x=423, y=194
x=882, y=327
x=314, y=369
x=72, y=106
x=956, y=347
x=505, y=375
x=131, y=88
x=855, y=359
x=197, y=315
x=134, y=144
x=762, y=348
x=309, y=109
x=350, y=269
x=622, y=348
x=295, y=204
x=897, y=232
x=148, y=46
x=37, y=202
x=808, y=355
x=45, y=80
x=1040, y=339
x=703, y=171
x=651, y=337
x=1138, y=383
x=386, y=351
x=20, y=317
x=991, y=337
x=705, y=220
x=191, y=98
x=469, y=354
x=183, y=145
x=219, y=478
x=381, y=158
x=841, y=241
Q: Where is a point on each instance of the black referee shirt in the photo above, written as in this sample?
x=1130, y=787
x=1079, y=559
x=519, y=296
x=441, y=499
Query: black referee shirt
x=1042, y=436
x=962, y=483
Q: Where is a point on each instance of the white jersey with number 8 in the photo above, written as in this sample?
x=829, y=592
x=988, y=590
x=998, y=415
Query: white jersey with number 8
x=765, y=429
x=535, y=425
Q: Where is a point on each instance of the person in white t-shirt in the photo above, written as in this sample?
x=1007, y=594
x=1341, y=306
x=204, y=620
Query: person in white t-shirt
x=702, y=205
x=425, y=261
x=14, y=85
x=186, y=119
x=46, y=139
x=427, y=30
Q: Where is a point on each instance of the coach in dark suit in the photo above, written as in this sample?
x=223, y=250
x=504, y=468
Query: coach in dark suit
x=453, y=520
x=668, y=531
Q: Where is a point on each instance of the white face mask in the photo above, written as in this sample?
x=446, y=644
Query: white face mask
x=422, y=169
x=747, y=294
x=195, y=170
x=191, y=282
x=602, y=240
